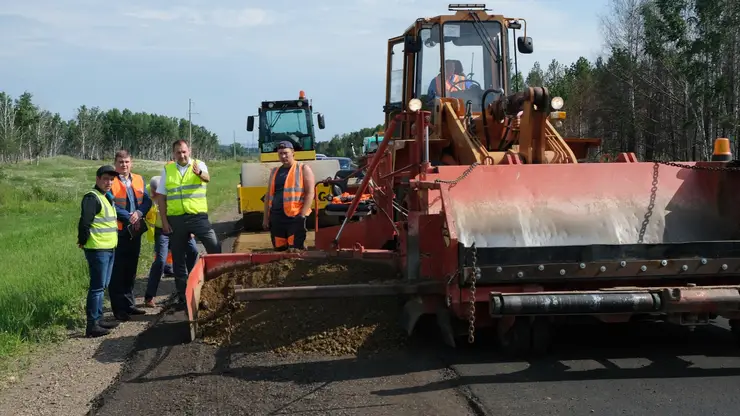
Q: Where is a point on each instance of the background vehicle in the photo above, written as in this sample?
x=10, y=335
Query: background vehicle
x=286, y=120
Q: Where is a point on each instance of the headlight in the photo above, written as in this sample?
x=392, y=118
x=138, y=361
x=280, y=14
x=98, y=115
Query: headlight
x=414, y=104
x=556, y=103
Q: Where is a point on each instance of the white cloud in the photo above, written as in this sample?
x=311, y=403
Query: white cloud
x=319, y=31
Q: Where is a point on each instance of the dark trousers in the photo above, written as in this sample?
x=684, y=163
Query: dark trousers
x=122, y=281
x=182, y=227
x=100, y=264
x=161, y=248
x=287, y=232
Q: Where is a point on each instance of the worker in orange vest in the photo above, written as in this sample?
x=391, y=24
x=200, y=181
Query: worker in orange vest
x=288, y=200
x=454, y=81
x=132, y=203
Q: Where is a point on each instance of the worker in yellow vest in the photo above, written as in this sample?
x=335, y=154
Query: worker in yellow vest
x=184, y=210
x=132, y=203
x=97, y=235
x=162, y=253
x=288, y=201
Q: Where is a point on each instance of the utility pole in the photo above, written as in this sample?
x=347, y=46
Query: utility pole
x=234, y=144
x=190, y=123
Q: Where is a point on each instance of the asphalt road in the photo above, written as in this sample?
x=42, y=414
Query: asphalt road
x=602, y=370
x=618, y=369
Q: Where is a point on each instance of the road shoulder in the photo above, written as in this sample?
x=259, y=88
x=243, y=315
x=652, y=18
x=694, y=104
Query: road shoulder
x=66, y=377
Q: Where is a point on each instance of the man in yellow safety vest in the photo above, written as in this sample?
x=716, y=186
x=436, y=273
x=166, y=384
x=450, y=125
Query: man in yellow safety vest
x=184, y=210
x=162, y=263
x=97, y=235
x=290, y=191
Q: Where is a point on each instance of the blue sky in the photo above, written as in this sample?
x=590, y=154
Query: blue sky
x=229, y=55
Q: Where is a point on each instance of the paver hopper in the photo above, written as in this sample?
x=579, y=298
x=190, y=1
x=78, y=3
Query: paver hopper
x=496, y=224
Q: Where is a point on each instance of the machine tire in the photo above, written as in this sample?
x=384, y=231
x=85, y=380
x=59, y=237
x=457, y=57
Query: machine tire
x=252, y=222
x=735, y=329
x=541, y=337
x=516, y=340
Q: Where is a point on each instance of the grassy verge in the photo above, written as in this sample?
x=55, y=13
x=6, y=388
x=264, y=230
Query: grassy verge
x=44, y=278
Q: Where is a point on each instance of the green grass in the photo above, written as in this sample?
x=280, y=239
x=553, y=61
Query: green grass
x=43, y=274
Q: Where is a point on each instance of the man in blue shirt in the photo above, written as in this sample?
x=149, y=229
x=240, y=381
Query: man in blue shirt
x=132, y=203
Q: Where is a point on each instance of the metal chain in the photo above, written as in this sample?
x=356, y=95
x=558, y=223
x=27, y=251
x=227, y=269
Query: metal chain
x=651, y=205
x=459, y=178
x=711, y=168
x=471, y=316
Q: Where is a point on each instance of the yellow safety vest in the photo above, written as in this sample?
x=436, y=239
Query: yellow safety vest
x=186, y=194
x=153, y=219
x=103, y=230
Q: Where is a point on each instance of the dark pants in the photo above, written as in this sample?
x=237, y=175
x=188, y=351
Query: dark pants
x=182, y=227
x=122, y=281
x=287, y=232
x=161, y=248
x=100, y=263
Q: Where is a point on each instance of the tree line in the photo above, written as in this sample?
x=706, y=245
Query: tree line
x=669, y=86
x=28, y=132
x=347, y=144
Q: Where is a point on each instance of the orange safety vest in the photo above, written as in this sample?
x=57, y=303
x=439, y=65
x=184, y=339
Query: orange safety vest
x=347, y=198
x=119, y=193
x=450, y=84
x=292, y=190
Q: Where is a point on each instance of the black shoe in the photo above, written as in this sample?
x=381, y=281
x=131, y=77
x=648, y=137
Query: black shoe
x=136, y=311
x=120, y=316
x=96, y=331
x=108, y=324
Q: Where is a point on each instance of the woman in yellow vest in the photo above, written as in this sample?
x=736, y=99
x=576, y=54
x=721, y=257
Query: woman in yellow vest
x=97, y=235
x=162, y=263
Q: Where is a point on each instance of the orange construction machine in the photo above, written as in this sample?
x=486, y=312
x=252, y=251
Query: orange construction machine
x=494, y=220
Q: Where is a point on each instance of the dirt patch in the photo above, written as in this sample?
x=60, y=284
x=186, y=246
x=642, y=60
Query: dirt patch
x=328, y=326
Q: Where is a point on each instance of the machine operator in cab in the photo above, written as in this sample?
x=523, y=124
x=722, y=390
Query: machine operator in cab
x=290, y=191
x=455, y=79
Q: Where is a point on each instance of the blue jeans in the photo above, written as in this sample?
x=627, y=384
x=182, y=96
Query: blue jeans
x=100, y=263
x=161, y=247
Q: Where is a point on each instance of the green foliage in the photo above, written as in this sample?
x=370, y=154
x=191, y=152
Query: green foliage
x=29, y=132
x=44, y=275
x=668, y=86
x=348, y=144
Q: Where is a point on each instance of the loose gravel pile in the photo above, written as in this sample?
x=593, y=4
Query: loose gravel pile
x=338, y=326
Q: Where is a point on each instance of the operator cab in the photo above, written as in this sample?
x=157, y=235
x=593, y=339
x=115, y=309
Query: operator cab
x=286, y=120
x=463, y=55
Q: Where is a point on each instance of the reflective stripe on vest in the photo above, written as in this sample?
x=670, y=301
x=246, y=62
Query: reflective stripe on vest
x=120, y=197
x=186, y=194
x=450, y=84
x=103, y=231
x=292, y=190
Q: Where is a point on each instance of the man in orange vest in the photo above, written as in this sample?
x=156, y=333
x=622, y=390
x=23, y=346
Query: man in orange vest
x=132, y=203
x=454, y=80
x=290, y=191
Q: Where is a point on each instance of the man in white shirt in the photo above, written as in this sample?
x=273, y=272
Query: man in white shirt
x=184, y=209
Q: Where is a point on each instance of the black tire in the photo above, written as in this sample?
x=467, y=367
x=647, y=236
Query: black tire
x=252, y=222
